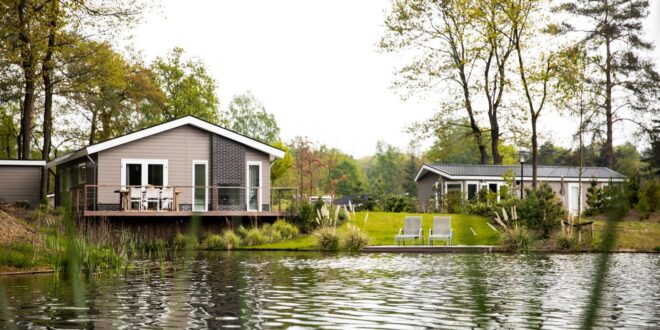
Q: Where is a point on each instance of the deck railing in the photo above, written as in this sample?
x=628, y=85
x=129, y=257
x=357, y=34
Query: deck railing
x=183, y=198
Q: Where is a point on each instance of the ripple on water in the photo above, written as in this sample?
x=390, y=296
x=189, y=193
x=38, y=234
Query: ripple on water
x=302, y=290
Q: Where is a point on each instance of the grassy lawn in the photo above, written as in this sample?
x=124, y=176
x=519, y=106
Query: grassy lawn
x=633, y=235
x=382, y=226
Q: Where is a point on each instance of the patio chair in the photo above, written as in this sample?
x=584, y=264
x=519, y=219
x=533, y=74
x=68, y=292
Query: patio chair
x=152, y=196
x=136, y=197
x=441, y=230
x=167, y=198
x=412, y=229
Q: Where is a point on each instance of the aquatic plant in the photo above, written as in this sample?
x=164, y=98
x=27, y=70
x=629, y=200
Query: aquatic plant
x=353, y=238
x=515, y=239
x=327, y=238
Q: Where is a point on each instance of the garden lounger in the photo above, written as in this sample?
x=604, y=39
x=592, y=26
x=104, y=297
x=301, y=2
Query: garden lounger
x=441, y=230
x=412, y=229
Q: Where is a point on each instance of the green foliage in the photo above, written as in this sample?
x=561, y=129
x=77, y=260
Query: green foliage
x=565, y=241
x=385, y=171
x=353, y=238
x=213, y=242
x=187, y=85
x=254, y=236
x=649, y=198
x=454, y=201
x=399, y=203
x=246, y=115
x=346, y=177
x=286, y=230
x=541, y=209
x=281, y=166
x=305, y=214
x=516, y=239
x=327, y=239
x=594, y=198
x=19, y=255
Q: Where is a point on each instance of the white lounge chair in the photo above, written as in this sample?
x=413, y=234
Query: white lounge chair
x=412, y=229
x=441, y=231
x=136, y=197
x=167, y=198
x=152, y=196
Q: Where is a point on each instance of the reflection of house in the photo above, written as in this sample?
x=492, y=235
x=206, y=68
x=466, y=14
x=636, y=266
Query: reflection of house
x=20, y=181
x=183, y=165
x=436, y=180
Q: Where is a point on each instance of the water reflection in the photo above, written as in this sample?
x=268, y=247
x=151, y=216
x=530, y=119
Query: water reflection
x=277, y=289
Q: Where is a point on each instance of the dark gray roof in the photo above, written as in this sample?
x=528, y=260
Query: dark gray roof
x=542, y=171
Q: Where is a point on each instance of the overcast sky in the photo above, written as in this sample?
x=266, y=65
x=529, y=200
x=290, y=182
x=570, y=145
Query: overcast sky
x=313, y=64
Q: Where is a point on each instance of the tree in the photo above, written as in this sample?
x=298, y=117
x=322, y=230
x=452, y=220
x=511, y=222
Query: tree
x=246, y=115
x=439, y=33
x=387, y=168
x=535, y=77
x=347, y=177
x=627, y=79
x=410, y=169
x=188, y=87
x=281, y=166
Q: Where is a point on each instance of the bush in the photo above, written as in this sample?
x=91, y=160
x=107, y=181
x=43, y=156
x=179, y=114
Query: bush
x=327, y=239
x=399, y=203
x=213, y=242
x=286, y=230
x=19, y=255
x=515, y=239
x=541, y=210
x=480, y=208
x=649, y=197
x=353, y=239
x=230, y=240
x=255, y=236
x=342, y=216
x=566, y=242
x=242, y=232
x=306, y=214
x=180, y=241
x=454, y=201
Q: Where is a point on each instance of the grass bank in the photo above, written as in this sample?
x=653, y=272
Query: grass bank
x=382, y=226
x=641, y=236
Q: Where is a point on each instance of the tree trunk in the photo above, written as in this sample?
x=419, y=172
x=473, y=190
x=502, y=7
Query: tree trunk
x=92, y=131
x=535, y=151
x=495, y=137
x=476, y=131
x=46, y=73
x=609, y=148
x=28, y=64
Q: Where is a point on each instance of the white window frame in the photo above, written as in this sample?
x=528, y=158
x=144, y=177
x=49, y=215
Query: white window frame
x=247, y=186
x=570, y=186
x=447, y=183
x=467, y=183
x=206, y=184
x=145, y=167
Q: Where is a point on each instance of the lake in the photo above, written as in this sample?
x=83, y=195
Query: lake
x=294, y=289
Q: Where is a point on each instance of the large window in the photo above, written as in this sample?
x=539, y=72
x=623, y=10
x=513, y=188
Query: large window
x=472, y=191
x=142, y=172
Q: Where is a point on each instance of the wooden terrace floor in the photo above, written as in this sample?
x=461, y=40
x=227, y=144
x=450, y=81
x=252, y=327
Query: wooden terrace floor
x=125, y=214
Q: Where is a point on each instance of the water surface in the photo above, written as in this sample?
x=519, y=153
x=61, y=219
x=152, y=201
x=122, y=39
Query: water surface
x=286, y=289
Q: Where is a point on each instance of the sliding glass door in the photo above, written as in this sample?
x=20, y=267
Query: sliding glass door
x=200, y=181
x=253, y=186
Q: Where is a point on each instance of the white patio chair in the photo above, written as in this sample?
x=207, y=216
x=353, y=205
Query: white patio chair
x=167, y=198
x=152, y=196
x=136, y=197
x=441, y=231
x=412, y=229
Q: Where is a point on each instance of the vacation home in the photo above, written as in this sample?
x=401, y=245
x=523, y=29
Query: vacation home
x=173, y=169
x=20, y=181
x=436, y=180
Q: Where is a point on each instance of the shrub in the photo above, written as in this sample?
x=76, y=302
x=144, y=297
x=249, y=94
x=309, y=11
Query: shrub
x=242, y=232
x=213, y=242
x=19, y=255
x=342, y=215
x=565, y=241
x=649, y=197
x=515, y=239
x=353, y=239
x=180, y=241
x=327, y=239
x=254, y=236
x=454, y=201
x=480, y=208
x=230, y=240
x=306, y=214
x=286, y=229
x=541, y=209
x=399, y=203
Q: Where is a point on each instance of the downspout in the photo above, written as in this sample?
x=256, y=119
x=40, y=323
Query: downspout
x=94, y=179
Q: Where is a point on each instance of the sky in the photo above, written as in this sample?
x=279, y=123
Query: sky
x=315, y=66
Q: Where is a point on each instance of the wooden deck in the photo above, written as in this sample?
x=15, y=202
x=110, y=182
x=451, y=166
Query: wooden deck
x=432, y=249
x=128, y=214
